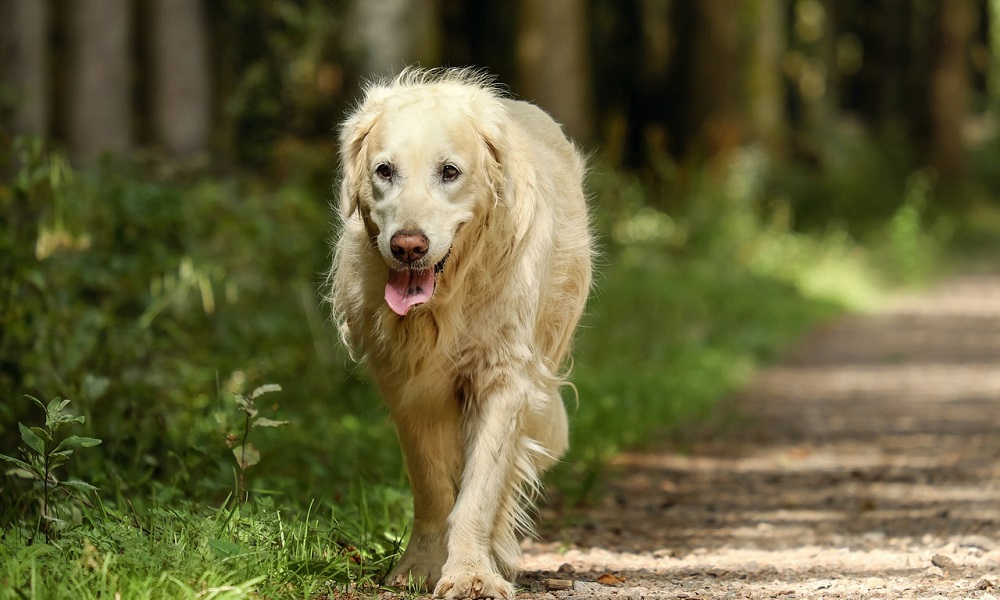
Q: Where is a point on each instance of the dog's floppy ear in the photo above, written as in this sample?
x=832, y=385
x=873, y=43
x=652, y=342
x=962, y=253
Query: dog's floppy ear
x=508, y=172
x=353, y=141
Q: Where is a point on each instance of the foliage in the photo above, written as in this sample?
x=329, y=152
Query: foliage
x=44, y=451
x=149, y=300
x=245, y=453
x=283, y=77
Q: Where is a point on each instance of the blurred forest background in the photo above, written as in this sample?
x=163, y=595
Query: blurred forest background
x=640, y=79
x=166, y=168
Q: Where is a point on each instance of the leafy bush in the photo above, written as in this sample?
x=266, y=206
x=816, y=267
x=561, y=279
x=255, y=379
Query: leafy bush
x=147, y=301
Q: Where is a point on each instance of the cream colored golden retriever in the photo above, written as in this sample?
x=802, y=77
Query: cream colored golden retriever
x=461, y=270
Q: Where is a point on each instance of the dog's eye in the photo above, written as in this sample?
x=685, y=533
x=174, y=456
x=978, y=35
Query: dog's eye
x=384, y=171
x=450, y=172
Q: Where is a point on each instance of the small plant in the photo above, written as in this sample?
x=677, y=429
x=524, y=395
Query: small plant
x=43, y=455
x=245, y=452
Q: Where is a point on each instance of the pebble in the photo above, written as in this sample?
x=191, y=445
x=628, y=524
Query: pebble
x=942, y=561
x=634, y=594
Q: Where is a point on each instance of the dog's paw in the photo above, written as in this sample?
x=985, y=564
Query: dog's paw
x=464, y=585
x=415, y=575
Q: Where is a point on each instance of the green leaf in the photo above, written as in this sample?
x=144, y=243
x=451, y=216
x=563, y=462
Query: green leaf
x=57, y=460
x=42, y=432
x=75, y=441
x=246, y=456
x=32, y=439
x=80, y=486
x=16, y=461
x=265, y=422
x=56, y=406
x=23, y=473
x=65, y=419
x=36, y=401
x=264, y=389
x=225, y=548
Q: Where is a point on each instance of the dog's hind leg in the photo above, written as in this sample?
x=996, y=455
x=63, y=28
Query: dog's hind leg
x=432, y=447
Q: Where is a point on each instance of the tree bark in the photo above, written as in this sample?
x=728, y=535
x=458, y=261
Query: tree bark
x=948, y=96
x=181, y=84
x=993, y=76
x=24, y=26
x=99, y=106
x=554, y=64
x=392, y=34
x=713, y=111
x=765, y=85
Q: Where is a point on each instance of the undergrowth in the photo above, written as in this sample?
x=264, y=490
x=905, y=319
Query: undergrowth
x=152, y=301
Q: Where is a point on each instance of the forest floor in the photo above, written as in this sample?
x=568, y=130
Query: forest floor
x=864, y=465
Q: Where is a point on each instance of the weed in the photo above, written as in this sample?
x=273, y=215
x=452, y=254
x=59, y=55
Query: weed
x=43, y=453
x=246, y=454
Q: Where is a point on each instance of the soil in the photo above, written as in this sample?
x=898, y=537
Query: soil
x=865, y=465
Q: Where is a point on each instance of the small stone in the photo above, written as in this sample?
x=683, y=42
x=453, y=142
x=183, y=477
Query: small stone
x=585, y=587
x=985, y=584
x=566, y=568
x=942, y=561
x=824, y=584
x=876, y=583
x=934, y=572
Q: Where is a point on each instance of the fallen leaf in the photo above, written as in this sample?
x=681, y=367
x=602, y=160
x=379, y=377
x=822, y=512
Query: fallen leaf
x=610, y=579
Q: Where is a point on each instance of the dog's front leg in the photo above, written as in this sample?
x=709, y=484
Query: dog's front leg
x=432, y=446
x=482, y=541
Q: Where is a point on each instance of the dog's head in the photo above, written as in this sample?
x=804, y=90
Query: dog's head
x=420, y=159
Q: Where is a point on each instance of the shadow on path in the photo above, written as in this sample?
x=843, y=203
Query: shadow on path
x=866, y=465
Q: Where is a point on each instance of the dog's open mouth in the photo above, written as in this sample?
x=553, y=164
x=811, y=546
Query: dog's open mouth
x=407, y=288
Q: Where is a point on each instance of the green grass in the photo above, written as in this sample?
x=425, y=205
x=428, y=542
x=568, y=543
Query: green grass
x=153, y=302
x=185, y=551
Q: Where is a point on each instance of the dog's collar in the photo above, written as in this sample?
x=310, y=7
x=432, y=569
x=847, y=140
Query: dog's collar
x=440, y=265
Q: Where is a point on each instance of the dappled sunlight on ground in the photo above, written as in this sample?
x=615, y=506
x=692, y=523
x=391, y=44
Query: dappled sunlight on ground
x=867, y=464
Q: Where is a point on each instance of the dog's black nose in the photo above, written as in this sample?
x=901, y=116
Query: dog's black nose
x=408, y=246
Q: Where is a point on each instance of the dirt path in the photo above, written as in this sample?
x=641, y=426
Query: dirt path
x=868, y=466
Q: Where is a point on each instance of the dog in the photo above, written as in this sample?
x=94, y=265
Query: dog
x=462, y=267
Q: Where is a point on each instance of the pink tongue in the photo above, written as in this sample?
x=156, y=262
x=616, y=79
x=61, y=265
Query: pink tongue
x=408, y=288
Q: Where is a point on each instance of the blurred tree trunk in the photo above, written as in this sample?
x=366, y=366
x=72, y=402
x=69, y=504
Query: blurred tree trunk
x=181, y=94
x=554, y=63
x=765, y=84
x=23, y=62
x=949, y=81
x=658, y=45
x=993, y=81
x=391, y=34
x=99, y=107
x=713, y=118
